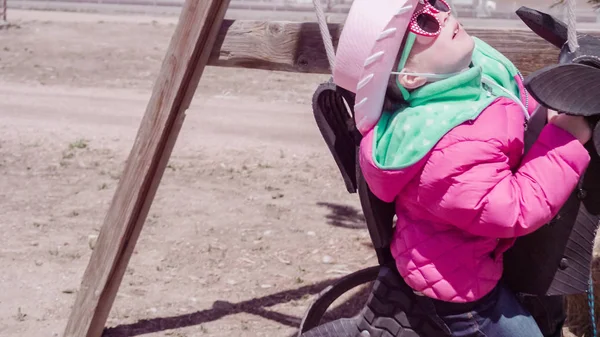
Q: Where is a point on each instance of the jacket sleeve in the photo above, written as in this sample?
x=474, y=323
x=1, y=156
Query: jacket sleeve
x=470, y=185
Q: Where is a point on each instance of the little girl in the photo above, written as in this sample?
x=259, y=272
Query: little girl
x=448, y=150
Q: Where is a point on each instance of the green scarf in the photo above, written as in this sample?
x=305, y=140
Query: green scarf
x=405, y=136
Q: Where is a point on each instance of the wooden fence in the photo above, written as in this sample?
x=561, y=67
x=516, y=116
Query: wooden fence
x=297, y=46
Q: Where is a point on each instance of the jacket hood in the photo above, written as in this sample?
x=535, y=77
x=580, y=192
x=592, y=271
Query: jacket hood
x=405, y=136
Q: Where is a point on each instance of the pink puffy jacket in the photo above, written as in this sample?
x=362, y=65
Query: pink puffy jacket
x=464, y=204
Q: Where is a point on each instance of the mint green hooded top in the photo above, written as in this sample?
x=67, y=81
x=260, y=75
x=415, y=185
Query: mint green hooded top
x=405, y=136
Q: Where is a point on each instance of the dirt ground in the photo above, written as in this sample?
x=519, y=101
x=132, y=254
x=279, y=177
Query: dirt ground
x=251, y=218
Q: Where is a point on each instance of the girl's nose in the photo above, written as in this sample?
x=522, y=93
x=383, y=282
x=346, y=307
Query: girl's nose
x=443, y=17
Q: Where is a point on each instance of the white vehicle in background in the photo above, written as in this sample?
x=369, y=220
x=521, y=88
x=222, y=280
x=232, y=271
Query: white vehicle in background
x=482, y=8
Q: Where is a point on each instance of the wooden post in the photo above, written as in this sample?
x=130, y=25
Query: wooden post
x=4, y=3
x=178, y=79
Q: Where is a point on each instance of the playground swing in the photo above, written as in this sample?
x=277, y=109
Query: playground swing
x=392, y=310
x=534, y=266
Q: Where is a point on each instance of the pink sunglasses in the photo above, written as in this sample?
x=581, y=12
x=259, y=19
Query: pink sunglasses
x=424, y=22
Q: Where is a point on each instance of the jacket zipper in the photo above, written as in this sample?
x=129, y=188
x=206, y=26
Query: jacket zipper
x=526, y=98
x=525, y=90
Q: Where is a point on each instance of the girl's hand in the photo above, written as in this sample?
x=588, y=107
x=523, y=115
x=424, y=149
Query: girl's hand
x=575, y=125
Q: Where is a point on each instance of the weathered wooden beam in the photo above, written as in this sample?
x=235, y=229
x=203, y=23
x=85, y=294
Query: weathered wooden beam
x=297, y=47
x=182, y=67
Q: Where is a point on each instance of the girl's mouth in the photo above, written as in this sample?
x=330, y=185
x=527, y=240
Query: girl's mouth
x=456, y=30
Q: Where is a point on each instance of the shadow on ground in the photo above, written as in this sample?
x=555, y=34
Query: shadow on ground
x=344, y=216
x=257, y=306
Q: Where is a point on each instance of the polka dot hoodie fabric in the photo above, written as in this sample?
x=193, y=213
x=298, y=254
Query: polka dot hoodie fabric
x=453, y=164
x=407, y=135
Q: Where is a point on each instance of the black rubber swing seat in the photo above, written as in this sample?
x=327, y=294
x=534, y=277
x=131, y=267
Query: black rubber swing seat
x=392, y=310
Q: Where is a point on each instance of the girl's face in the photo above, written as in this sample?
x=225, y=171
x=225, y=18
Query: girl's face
x=448, y=52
